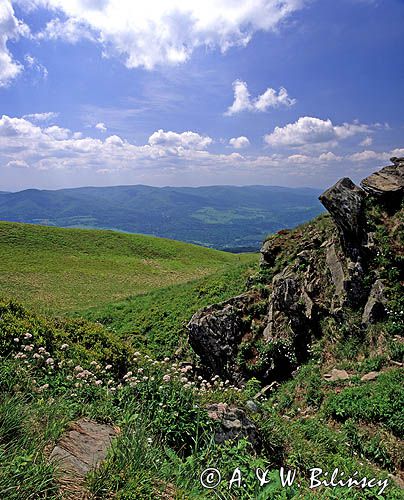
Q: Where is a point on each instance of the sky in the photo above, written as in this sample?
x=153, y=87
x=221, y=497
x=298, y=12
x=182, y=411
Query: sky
x=189, y=93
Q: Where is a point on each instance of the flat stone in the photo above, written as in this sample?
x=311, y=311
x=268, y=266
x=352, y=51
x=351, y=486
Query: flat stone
x=387, y=181
x=370, y=376
x=265, y=389
x=81, y=449
x=336, y=375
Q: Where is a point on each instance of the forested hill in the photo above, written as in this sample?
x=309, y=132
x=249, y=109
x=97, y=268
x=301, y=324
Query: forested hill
x=224, y=217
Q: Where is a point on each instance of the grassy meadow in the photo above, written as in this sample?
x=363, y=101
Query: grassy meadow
x=63, y=270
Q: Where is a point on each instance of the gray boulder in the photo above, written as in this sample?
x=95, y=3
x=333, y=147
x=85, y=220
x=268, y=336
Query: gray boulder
x=345, y=201
x=375, y=306
x=233, y=424
x=215, y=334
x=388, y=182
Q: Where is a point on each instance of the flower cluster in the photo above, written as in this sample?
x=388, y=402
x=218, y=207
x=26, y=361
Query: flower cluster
x=144, y=371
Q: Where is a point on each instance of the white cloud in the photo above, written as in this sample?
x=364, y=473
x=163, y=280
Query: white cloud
x=56, y=147
x=159, y=32
x=239, y=142
x=368, y=155
x=188, y=140
x=41, y=117
x=72, y=31
x=399, y=152
x=17, y=164
x=242, y=100
x=269, y=99
x=330, y=156
x=26, y=144
x=57, y=133
x=309, y=130
x=367, y=141
x=114, y=140
x=101, y=126
x=10, y=29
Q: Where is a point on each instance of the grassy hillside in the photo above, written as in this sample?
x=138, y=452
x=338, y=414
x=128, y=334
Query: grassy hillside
x=69, y=269
x=214, y=216
x=155, y=321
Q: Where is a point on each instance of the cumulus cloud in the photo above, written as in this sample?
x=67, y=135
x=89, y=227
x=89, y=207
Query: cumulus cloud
x=239, y=142
x=25, y=144
x=269, y=99
x=309, y=130
x=47, y=147
x=101, y=126
x=71, y=30
x=330, y=156
x=367, y=155
x=57, y=133
x=158, y=32
x=10, y=29
x=399, y=152
x=41, y=117
x=187, y=140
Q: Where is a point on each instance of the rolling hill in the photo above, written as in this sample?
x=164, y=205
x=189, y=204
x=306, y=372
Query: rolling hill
x=223, y=217
x=69, y=269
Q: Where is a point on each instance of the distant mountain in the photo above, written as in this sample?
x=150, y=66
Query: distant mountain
x=223, y=217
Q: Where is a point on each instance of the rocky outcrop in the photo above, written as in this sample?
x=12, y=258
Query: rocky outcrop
x=215, y=333
x=315, y=275
x=345, y=201
x=336, y=268
x=272, y=248
x=387, y=183
x=233, y=424
x=375, y=306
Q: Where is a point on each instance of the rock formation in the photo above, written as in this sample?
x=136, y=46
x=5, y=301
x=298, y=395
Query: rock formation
x=325, y=270
x=387, y=183
x=344, y=201
x=233, y=424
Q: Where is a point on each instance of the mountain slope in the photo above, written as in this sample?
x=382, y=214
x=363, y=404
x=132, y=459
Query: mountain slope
x=321, y=323
x=65, y=269
x=224, y=217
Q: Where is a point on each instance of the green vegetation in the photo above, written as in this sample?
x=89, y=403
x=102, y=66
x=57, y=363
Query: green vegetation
x=63, y=270
x=381, y=402
x=155, y=321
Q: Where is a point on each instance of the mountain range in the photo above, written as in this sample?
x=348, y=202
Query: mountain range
x=223, y=217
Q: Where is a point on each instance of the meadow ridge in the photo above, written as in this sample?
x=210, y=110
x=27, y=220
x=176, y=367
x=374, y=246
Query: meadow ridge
x=61, y=270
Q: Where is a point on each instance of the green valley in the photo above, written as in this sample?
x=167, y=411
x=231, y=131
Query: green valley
x=62, y=270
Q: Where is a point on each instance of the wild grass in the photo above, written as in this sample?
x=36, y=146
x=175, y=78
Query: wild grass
x=155, y=321
x=62, y=270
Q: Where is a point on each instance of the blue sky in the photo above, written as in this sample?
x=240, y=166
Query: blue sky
x=106, y=92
